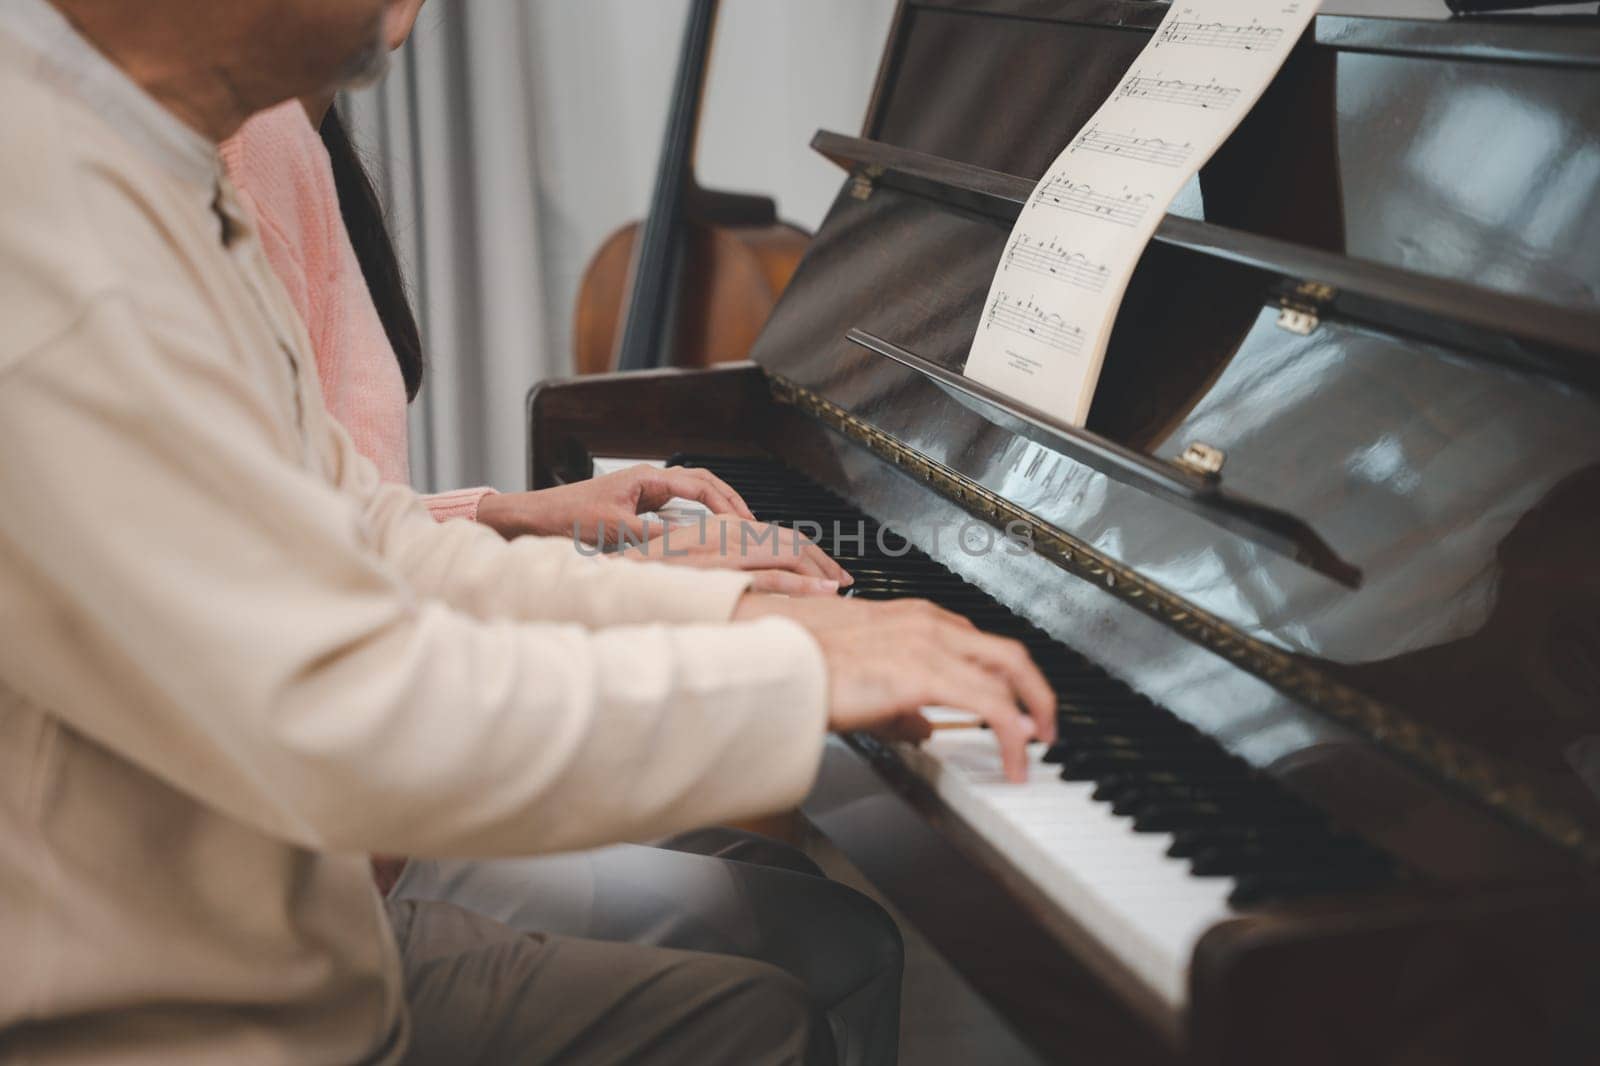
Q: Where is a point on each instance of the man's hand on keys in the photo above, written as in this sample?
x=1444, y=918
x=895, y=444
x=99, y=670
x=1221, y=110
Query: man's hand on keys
x=888, y=660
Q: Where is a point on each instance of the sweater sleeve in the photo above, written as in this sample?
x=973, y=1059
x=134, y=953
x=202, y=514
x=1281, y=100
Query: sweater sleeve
x=462, y=503
x=478, y=572
x=292, y=652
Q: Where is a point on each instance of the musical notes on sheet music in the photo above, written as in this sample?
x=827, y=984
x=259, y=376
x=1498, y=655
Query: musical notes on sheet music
x=1048, y=258
x=1023, y=316
x=1250, y=37
x=1061, y=278
x=1177, y=91
x=1125, y=209
x=1155, y=150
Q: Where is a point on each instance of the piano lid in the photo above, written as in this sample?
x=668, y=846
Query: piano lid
x=1436, y=427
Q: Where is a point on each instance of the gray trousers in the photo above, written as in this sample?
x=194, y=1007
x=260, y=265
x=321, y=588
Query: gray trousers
x=759, y=917
x=483, y=994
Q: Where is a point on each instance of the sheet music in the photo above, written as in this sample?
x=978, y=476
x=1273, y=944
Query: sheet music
x=1063, y=274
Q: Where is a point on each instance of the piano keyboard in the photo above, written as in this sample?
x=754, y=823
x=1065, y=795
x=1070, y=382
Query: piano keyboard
x=1143, y=829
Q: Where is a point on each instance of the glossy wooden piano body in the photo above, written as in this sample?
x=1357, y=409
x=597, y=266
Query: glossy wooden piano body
x=1390, y=601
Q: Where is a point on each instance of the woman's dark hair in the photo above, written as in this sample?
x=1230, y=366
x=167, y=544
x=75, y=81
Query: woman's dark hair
x=380, y=265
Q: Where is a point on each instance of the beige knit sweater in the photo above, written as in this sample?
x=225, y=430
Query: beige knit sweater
x=233, y=662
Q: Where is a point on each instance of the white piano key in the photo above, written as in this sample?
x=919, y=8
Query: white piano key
x=948, y=718
x=610, y=464
x=1141, y=906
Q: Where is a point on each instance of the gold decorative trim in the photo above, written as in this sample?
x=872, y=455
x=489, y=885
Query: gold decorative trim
x=1455, y=763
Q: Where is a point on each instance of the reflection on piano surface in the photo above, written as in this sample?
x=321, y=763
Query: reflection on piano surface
x=1331, y=716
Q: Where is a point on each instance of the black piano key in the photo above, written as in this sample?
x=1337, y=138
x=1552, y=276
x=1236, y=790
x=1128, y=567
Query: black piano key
x=1080, y=765
x=1327, y=857
x=1095, y=764
x=1260, y=806
x=1092, y=717
x=913, y=573
x=889, y=589
x=1252, y=890
x=911, y=576
x=904, y=569
x=820, y=522
x=1109, y=734
x=1086, y=688
x=969, y=602
x=1222, y=775
x=1188, y=843
x=1164, y=817
x=1131, y=792
x=1179, y=757
x=989, y=619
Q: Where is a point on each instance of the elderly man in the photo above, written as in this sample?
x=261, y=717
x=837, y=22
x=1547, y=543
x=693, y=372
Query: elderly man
x=234, y=663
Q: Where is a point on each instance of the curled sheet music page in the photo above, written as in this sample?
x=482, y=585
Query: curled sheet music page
x=1049, y=314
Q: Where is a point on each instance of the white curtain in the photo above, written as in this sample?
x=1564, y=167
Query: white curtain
x=513, y=136
x=458, y=167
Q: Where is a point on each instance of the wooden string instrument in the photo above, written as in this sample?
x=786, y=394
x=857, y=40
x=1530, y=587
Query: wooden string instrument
x=693, y=283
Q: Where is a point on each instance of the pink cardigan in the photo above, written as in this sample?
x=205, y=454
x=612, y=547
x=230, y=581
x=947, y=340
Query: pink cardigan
x=283, y=174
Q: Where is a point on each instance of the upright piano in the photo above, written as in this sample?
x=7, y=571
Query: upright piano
x=1318, y=583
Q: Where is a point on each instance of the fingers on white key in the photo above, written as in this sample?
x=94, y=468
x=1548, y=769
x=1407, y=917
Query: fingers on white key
x=962, y=683
x=1009, y=660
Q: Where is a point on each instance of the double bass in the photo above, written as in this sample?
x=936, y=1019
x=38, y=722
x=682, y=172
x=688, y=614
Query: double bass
x=692, y=284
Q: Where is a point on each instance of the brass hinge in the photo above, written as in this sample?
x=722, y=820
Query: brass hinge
x=1300, y=309
x=1204, y=460
x=865, y=181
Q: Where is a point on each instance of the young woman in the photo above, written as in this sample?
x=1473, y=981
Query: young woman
x=716, y=890
x=323, y=231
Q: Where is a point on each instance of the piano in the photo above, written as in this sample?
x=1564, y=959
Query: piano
x=1318, y=582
